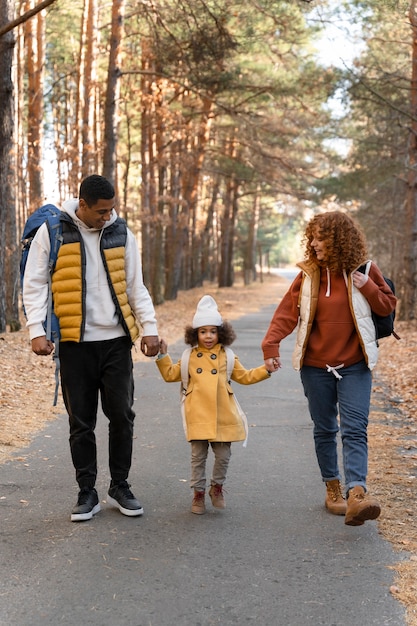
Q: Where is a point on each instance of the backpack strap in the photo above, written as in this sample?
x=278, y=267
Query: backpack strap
x=55, y=237
x=185, y=359
x=230, y=361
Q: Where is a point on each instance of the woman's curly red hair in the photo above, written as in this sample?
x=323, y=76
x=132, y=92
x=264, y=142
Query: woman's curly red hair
x=345, y=242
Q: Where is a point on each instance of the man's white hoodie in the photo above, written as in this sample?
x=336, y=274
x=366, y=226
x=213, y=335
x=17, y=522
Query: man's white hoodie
x=101, y=321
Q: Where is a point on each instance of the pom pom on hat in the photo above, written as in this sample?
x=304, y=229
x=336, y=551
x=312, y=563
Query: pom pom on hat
x=207, y=313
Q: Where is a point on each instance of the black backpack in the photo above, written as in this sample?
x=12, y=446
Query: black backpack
x=384, y=324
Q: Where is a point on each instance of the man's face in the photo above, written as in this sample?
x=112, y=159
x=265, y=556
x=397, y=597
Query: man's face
x=97, y=215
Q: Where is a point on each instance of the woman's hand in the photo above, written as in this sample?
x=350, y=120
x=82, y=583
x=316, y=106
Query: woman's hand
x=273, y=365
x=359, y=279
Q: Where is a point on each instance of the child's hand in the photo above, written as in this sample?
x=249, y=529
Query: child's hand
x=163, y=346
x=273, y=365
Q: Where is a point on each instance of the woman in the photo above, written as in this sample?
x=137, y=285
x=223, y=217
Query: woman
x=336, y=349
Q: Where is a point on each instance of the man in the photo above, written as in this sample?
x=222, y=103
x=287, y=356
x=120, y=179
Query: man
x=99, y=296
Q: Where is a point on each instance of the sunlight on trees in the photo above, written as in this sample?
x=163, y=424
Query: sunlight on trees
x=217, y=125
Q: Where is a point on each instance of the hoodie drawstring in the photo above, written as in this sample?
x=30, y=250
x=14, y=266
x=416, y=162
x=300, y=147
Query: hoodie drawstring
x=328, y=283
x=333, y=370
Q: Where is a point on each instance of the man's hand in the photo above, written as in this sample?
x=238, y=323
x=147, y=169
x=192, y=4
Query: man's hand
x=42, y=346
x=150, y=345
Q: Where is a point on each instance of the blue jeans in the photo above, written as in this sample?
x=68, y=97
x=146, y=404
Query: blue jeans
x=349, y=397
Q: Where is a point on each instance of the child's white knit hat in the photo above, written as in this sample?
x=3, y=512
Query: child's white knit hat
x=207, y=313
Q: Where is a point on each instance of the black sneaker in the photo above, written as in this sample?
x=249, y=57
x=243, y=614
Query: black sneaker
x=121, y=497
x=87, y=505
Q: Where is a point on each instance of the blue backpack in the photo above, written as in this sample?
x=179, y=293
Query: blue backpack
x=50, y=214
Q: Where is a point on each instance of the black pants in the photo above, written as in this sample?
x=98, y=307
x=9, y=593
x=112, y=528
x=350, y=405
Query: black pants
x=87, y=369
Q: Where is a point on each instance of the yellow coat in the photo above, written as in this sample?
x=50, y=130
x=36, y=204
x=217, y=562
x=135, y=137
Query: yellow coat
x=210, y=409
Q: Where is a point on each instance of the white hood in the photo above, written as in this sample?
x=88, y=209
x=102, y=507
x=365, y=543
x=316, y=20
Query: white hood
x=71, y=206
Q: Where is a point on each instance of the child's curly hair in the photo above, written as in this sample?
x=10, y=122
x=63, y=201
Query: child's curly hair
x=345, y=242
x=226, y=334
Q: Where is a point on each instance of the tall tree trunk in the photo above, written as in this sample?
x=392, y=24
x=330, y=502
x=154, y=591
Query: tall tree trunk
x=228, y=224
x=195, y=153
x=226, y=271
x=410, y=299
x=249, y=261
x=176, y=232
x=209, y=238
x=89, y=81
x=8, y=265
x=147, y=161
x=35, y=60
x=113, y=94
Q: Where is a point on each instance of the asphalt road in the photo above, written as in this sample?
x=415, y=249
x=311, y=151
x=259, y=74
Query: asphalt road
x=273, y=557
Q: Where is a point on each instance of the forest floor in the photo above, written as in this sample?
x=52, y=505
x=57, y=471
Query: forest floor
x=27, y=388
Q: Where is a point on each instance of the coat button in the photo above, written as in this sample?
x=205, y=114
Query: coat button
x=213, y=356
x=214, y=371
x=199, y=370
x=199, y=354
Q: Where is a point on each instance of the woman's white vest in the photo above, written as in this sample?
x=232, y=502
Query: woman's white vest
x=361, y=313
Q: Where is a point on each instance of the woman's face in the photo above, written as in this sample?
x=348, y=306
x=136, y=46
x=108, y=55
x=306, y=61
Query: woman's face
x=319, y=246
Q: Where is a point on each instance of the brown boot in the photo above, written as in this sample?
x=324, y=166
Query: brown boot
x=198, y=505
x=217, y=497
x=360, y=507
x=335, y=502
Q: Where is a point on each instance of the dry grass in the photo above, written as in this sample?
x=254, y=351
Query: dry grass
x=27, y=387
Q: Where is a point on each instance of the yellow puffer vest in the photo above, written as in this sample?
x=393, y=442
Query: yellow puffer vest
x=68, y=280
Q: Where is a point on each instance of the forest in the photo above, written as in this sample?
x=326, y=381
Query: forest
x=224, y=126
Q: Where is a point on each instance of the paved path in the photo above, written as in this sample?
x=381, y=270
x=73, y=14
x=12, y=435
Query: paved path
x=273, y=557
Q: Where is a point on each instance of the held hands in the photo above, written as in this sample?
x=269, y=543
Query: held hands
x=359, y=279
x=42, y=346
x=150, y=345
x=273, y=365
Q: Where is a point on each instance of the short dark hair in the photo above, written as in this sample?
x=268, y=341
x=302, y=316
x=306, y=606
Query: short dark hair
x=95, y=188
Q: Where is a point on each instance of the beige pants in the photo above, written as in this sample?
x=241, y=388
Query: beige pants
x=199, y=451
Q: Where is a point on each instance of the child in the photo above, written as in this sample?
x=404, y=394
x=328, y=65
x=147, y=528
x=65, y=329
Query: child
x=211, y=414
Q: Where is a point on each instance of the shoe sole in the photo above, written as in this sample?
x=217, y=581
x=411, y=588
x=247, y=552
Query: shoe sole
x=83, y=517
x=199, y=512
x=128, y=512
x=218, y=506
x=334, y=511
x=370, y=513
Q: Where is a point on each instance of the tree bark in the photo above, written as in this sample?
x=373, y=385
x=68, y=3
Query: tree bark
x=113, y=94
x=410, y=299
x=249, y=260
x=35, y=60
x=89, y=81
x=8, y=249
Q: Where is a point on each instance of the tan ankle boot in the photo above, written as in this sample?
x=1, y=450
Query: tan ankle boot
x=198, y=505
x=335, y=502
x=361, y=506
x=217, y=497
